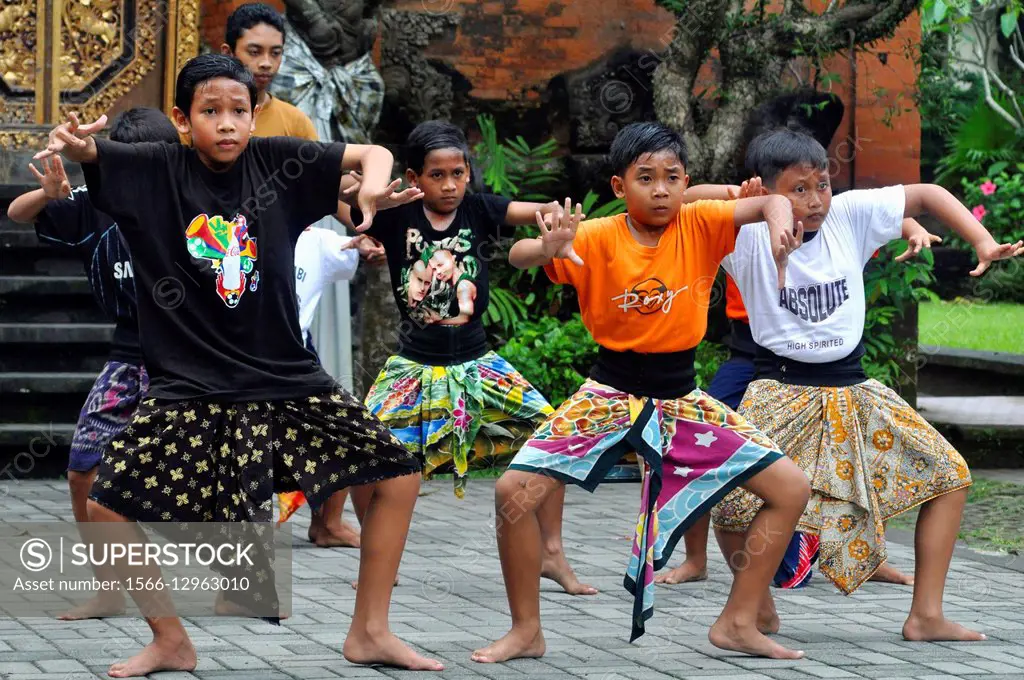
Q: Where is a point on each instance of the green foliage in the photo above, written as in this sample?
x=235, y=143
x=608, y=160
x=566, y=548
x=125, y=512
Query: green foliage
x=505, y=310
x=1002, y=209
x=710, y=356
x=1004, y=282
x=890, y=289
x=513, y=168
x=981, y=139
x=613, y=207
x=948, y=15
x=555, y=356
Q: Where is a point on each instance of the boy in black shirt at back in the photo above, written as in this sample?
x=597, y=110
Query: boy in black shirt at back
x=238, y=408
x=66, y=217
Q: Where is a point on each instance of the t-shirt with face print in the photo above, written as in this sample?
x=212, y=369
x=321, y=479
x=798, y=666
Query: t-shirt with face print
x=214, y=262
x=818, y=317
x=439, y=278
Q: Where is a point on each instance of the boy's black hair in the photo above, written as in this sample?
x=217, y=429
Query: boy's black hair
x=249, y=15
x=816, y=113
x=638, y=139
x=431, y=136
x=772, y=152
x=143, y=124
x=199, y=70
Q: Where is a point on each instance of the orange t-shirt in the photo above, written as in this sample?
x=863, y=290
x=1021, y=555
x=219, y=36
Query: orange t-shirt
x=734, y=307
x=649, y=300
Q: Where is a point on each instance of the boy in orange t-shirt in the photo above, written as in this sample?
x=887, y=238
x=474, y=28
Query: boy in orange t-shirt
x=643, y=281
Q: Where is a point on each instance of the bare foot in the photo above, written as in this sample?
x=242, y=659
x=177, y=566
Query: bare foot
x=686, y=572
x=920, y=629
x=386, y=650
x=890, y=574
x=767, y=616
x=556, y=568
x=515, y=645
x=725, y=635
x=179, y=655
x=99, y=607
x=345, y=536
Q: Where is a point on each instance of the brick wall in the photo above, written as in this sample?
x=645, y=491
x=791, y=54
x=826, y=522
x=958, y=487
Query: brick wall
x=509, y=50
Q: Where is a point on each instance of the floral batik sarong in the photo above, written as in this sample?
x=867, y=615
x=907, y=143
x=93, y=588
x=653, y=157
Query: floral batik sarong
x=472, y=415
x=692, y=452
x=869, y=456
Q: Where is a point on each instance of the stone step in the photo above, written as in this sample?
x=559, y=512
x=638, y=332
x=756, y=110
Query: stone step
x=56, y=358
x=24, y=255
x=44, y=285
x=22, y=434
x=56, y=333
x=46, y=383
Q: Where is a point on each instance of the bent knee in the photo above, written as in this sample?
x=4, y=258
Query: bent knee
x=518, y=492
x=793, y=489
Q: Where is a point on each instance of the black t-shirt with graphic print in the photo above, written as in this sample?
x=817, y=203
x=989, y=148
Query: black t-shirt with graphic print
x=75, y=223
x=213, y=256
x=439, y=278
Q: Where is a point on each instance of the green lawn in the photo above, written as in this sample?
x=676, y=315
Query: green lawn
x=972, y=325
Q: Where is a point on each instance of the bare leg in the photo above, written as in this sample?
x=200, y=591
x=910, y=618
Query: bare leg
x=518, y=494
x=171, y=649
x=734, y=549
x=106, y=603
x=328, y=530
x=361, y=497
x=887, y=573
x=370, y=640
x=553, y=563
x=695, y=566
x=785, y=491
x=937, y=526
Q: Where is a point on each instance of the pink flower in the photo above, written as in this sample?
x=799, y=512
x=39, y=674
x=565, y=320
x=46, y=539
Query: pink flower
x=461, y=417
x=979, y=212
x=988, y=188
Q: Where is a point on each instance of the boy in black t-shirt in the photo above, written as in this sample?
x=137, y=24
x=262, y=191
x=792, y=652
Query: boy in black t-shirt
x=238, y=408
x=450, y=399
x=67, y=218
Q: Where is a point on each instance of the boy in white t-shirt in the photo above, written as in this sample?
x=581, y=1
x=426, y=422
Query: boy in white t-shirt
x=323, y=256
x=868, y=454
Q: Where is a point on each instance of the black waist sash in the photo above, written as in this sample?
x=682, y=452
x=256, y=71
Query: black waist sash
x=839, y=373
x=667, y=375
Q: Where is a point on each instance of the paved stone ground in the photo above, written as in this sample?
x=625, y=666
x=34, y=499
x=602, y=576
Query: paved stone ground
x=451, y=601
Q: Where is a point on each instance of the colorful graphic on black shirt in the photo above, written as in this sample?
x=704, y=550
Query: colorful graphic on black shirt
x=439, y=278
x=226, y=244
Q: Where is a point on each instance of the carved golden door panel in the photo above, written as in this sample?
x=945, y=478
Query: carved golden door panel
x=88, y=56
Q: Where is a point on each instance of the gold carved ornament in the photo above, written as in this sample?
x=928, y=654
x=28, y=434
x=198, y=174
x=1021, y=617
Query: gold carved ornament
x=92, y=38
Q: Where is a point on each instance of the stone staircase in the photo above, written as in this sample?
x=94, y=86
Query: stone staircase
x=53, y=342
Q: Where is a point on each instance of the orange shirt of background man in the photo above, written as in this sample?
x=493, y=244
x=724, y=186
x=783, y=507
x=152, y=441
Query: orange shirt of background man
x=649, y=300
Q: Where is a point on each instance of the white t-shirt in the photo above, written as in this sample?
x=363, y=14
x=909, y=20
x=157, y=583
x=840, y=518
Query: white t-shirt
x=819, y=316
x=319, y=261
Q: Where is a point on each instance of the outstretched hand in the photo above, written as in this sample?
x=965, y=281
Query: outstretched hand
x=993, y=252
x=369, y=202
x=69, y=138
x=916, y=242
x=369, y=249
x=557, y=231
x=751, y=188
x=784, y=243
x=53, y=179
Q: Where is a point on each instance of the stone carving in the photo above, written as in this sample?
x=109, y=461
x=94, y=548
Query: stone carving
x=336, y=31
x=413, y=85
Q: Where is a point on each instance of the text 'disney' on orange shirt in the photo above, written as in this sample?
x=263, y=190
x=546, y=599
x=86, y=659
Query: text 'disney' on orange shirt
x=649, y=300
